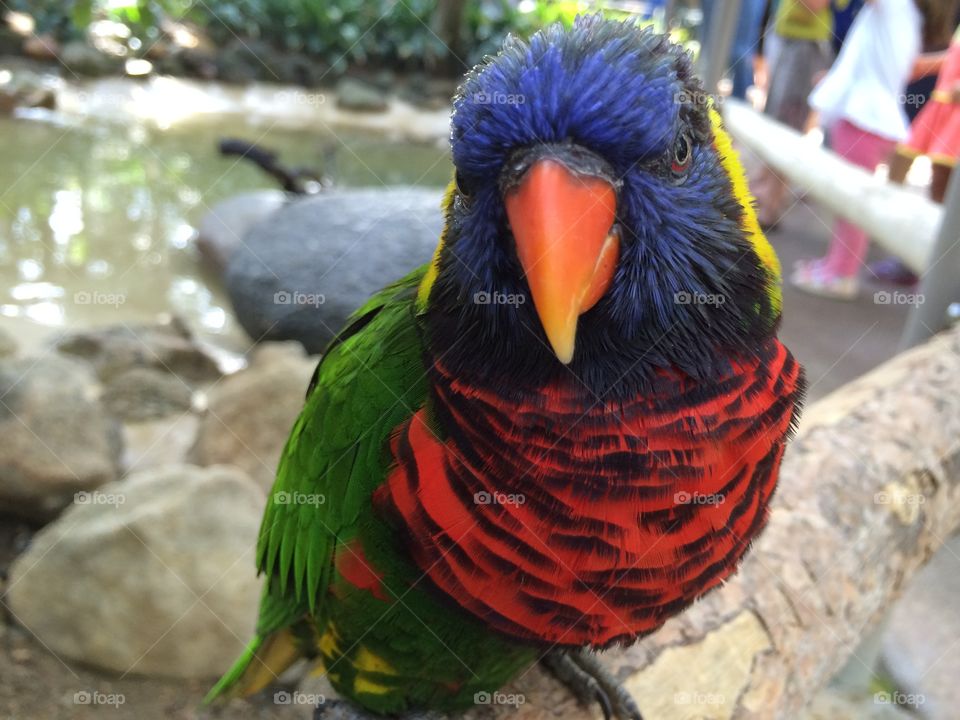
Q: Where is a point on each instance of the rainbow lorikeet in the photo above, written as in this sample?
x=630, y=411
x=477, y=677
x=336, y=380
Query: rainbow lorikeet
x=564, y=429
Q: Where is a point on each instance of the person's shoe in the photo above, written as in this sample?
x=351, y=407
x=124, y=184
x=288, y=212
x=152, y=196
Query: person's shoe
x=813, y=278
x=891, y=270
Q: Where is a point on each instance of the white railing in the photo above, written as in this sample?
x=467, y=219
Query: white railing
x=902, y=222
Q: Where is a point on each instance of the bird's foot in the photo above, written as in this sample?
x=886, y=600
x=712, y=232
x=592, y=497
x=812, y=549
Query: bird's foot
x=586, y=677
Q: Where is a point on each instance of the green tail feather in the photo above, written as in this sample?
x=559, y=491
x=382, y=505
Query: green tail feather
x=235, y=673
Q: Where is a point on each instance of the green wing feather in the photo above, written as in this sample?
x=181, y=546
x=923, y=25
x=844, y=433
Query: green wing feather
x=369, y=381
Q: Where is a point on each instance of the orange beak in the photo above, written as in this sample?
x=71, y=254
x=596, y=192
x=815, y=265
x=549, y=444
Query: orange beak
x=563, y=227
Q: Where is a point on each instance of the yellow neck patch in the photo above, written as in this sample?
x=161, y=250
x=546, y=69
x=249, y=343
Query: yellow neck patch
x=741, y=190
x=423, y=291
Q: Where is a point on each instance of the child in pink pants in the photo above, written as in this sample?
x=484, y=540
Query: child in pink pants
x=867, y=150
x=859, y=100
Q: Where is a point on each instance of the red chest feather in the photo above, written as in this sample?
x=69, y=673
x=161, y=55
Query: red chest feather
x=562, y=521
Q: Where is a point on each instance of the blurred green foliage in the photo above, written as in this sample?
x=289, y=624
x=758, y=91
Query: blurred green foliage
x=70, y=19
x=344, y=31
x=387, y=33
x=489, y=22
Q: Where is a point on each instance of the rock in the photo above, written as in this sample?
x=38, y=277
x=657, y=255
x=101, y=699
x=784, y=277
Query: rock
x=356, y=95
x=11, y=43
x=41, y=47
x=278, y=353
x=27, y=89
x=163, y=346
x=15, y=534
x=142, y=393
x=385, y=79
x=920, y=649
x=243, y=61
x=196, y=62
x=83, y=59
x=250, y=414
x=428, y=92
x=56, y=438
x=221, y=229
x=164, y=441
x=301, y=272
x=8, y=346
x=299, y=69
x=153, y=575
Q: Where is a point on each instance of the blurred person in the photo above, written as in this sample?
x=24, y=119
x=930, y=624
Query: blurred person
x=800, y=52
x=930, y=78
x=944, y=17
x=745, y=42
x=859, y=102
x=844, y=13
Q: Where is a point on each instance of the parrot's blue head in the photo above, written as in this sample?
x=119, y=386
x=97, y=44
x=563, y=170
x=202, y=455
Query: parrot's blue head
x=599, y=218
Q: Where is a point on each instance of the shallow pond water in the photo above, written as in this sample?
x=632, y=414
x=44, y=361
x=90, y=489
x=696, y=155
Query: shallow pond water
x=97, y=218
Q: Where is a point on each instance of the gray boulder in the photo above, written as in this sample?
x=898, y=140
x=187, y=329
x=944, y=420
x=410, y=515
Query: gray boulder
x=168, y=346
x=221, y=230
x=250, y=414
x=56, y=437
x=143, y=393
x=162, y=441
x=301, y=271
x=153, y=575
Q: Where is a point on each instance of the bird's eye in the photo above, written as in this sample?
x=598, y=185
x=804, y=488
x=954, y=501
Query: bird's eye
x=682, y=154
x=463, y=186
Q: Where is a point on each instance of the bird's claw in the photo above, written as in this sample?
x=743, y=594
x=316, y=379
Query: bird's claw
x=605, y=705
x=589, y=680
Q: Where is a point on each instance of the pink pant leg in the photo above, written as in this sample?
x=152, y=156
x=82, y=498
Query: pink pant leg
x=849, y=245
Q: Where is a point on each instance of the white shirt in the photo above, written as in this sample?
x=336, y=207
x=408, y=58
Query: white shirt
x=871, y=73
